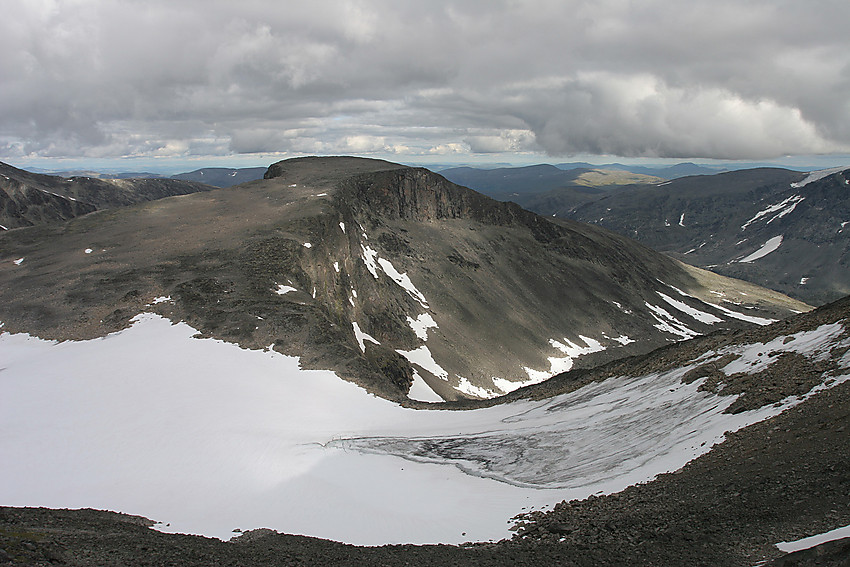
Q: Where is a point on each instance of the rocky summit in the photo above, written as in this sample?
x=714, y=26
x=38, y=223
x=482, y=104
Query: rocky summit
x=390, y=275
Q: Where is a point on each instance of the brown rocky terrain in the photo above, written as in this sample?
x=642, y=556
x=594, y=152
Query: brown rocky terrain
x=372, y=244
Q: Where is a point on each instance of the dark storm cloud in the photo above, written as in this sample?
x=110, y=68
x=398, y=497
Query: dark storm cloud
x=671, y=79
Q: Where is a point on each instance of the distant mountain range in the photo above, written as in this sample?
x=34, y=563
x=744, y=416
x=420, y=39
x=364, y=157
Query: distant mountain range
x=775, y=227
x=28, y=198
x=222, y=176
x=778, y=228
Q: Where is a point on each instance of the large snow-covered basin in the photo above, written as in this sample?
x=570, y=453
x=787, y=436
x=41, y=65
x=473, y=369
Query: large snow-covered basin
x=208, y=438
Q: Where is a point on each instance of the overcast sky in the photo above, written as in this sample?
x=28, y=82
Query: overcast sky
x=465, y=80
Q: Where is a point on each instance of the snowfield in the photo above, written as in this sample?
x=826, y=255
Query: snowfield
x=207, y=437
x=770, y=246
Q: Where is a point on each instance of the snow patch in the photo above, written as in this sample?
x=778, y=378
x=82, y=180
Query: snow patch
x=422, y=356
x=559, y=364
x=766, y=248
x=804, y=281
x=785, y=207
x=421, y=391
x=342, y=226
x=284, y=289
x=812, y=541
x=814, y=344
x=307, y=245
x=421, y=324
x=403, y=280
x=666, y=323
x=700, y=316
x=817, y=176
x=369, y=258
x=682, y=220
x=18, y=262
x=336, y=267
x=88, y=250
x=471, y=389
x=362, y=337
x=160, y=299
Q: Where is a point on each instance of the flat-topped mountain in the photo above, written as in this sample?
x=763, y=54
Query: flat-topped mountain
x=392, y=276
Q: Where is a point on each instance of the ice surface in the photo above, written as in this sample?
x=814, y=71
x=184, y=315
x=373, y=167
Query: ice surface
x=208, y=437
x=766, y=248
x=817, y=175
x=809, y=542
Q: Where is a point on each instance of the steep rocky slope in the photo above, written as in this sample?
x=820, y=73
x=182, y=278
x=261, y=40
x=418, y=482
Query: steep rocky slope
x=28, y=198
x=778, y=228
x=390, y=275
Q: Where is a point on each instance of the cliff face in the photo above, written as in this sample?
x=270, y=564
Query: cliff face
x=389, y=275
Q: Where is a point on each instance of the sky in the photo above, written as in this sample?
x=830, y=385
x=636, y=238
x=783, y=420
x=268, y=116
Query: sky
x=162, y=84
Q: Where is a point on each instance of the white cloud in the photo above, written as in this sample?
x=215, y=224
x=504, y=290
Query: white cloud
x=657, y=78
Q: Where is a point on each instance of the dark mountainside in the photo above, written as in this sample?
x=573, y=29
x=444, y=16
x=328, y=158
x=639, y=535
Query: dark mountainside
x=28, y=199
x=222, y=176
x=719, y=222
x=778, y=480
x=380, y=272
x=727, y=217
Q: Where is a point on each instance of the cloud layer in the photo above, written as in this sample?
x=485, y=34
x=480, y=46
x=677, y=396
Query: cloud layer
x=705, y=78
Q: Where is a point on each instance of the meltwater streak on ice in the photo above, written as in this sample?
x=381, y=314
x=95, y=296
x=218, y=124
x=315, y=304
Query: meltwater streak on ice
x=209, y=437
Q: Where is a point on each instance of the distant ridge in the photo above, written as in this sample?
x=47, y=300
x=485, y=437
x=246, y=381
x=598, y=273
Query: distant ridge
x=28, y=199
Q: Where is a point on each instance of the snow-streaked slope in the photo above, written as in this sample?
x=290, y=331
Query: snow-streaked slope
x=209, y=437
x=809, y=542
